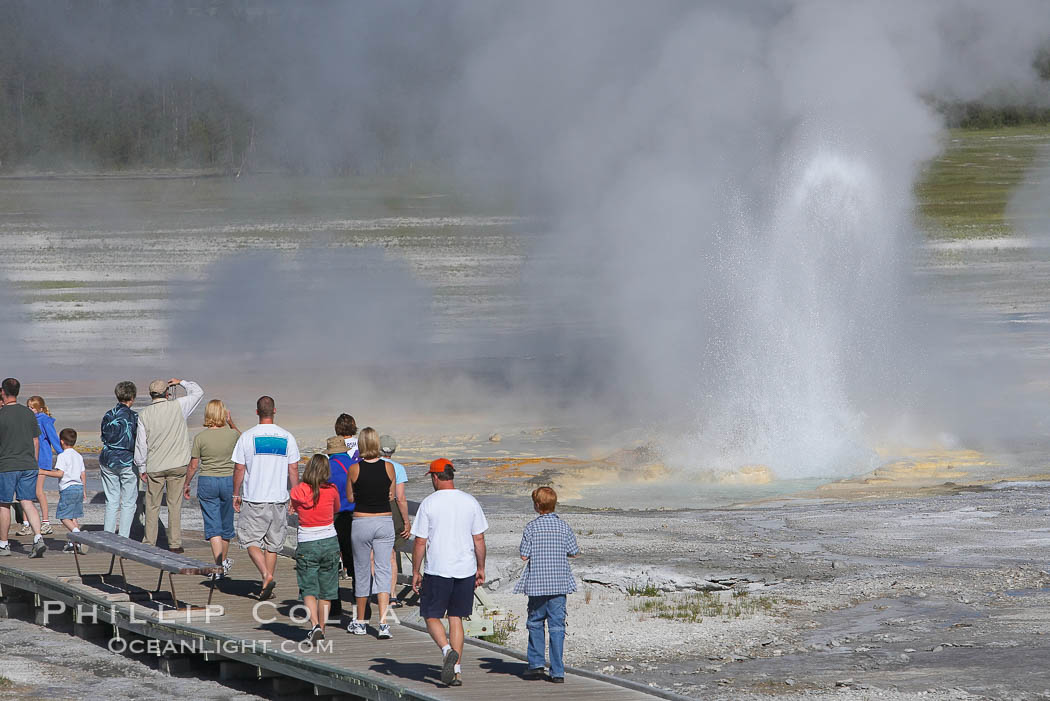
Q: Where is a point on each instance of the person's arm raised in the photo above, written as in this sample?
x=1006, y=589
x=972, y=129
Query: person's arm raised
x=194, y=395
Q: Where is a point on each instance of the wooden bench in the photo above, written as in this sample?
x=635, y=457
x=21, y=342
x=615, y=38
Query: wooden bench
x=122, y=548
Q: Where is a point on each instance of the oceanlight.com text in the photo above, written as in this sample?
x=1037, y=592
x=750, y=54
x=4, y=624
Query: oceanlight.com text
x=223, y=647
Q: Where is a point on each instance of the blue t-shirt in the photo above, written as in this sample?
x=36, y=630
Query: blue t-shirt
x=400, y=476
x=339, y=464
x=48, y=441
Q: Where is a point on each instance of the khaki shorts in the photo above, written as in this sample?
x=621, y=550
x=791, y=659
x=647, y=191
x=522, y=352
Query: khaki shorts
x=263, y=525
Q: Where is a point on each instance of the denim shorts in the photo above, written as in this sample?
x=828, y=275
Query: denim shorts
x=317, y=568
x=70, y=502
x=215, y=495
x=18, y=484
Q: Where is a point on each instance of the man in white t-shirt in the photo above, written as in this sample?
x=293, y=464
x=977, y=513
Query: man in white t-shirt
x=266, y=464
x=450, y=528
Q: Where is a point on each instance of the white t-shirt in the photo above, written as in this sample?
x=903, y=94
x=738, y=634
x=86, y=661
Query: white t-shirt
x=449, y=519
x=72, y=466
x=266, y=451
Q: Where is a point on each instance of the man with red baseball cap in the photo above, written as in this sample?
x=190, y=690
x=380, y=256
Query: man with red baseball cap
x=450, y=528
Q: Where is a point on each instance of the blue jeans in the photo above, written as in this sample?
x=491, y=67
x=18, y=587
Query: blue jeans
x=552, y=610
x=216, y=497
x=121, y=487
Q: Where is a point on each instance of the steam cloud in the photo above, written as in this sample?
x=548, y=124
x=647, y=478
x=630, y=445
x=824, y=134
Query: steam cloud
x=730, y=187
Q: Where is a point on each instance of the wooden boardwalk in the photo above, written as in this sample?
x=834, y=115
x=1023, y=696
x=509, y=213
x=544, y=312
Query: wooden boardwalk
x=406, y=667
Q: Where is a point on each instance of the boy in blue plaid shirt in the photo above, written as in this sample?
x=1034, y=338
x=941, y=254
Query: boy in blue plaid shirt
x=546, y=545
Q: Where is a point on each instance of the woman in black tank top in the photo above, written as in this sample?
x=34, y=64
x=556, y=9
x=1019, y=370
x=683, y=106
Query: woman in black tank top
x=372, y=537
x=373, y=483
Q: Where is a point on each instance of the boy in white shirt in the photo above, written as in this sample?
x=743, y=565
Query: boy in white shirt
x=69, y=468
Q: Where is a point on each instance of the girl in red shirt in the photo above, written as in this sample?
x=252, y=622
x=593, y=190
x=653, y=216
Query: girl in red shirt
x=317, y=554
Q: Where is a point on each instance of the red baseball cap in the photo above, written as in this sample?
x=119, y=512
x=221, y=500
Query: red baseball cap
x=439, y=465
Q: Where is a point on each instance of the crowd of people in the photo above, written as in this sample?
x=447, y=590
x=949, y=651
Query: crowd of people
x=350, y=503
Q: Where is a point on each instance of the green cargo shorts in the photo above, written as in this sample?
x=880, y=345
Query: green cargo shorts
x=317, y=568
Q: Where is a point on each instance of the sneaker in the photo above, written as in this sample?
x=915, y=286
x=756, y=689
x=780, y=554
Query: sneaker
x=384, y=631
x=357, y=628
x=448, y=667
x=82, y=549
x=534, y=673
x=5, y=551
x=556, y=680
x=45, y=528
x=24, y=529
x=39, y=548
x=68, y=547
x=456, y=682
x=218, y=576
x=227, y=565
x=315, y=634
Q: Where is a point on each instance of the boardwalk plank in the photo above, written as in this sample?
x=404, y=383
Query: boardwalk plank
x=407, y=664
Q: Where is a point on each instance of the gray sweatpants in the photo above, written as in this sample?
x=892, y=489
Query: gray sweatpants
x=372, y=536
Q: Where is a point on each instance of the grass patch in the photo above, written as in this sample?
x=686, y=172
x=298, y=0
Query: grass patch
x=502, y=629
x=5, y=682
x=693, y=608
x=963, y=193
x=648, y=589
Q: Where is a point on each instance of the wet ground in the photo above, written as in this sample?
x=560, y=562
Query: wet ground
x=939, y=596
x=866, y=598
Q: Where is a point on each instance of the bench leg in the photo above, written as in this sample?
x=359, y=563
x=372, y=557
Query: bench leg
x=171, y=583
x=112, y=559
x=211, y=590
x=123, y=574
x=76, y=559
x=160, y=581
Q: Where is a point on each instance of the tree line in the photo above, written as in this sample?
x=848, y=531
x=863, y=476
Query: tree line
x=229, y=85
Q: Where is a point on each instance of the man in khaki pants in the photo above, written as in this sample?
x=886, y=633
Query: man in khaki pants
x=162, y=454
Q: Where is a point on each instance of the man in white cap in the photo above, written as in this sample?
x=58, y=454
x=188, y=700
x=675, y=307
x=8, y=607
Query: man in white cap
x=162, y=454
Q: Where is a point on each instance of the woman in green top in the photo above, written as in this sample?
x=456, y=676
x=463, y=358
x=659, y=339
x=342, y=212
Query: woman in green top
x=213, y=454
